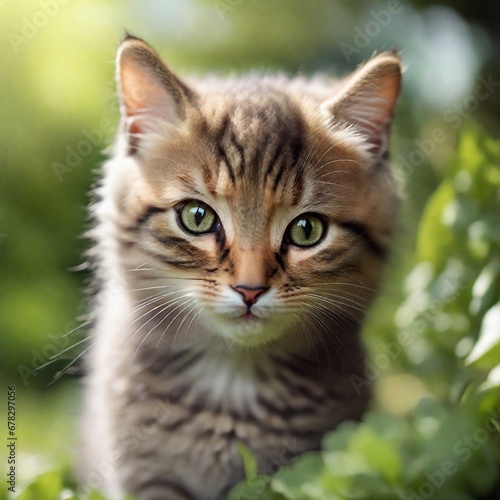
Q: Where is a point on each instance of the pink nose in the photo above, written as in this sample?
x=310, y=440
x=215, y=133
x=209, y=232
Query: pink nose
x=250, y=294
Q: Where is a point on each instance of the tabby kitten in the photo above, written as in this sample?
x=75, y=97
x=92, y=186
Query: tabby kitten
x=242, y=224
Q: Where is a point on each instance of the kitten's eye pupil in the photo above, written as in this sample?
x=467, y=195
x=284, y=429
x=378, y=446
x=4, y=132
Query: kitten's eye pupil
x=199, y=213
x=307, y=227
x=197, y=217
x=306, y=230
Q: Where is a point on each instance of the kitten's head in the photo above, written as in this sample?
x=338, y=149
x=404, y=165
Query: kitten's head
x=257, y=205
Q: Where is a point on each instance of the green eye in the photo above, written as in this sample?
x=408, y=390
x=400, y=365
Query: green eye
x=197, y=217
x=306, y=230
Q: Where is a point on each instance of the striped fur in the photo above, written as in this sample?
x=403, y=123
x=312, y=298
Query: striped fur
x=182, y=369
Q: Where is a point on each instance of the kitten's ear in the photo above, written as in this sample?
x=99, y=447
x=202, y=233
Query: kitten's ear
x=150, y=94
x=367, y=100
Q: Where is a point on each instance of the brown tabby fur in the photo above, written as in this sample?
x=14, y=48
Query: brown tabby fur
x=177, y=377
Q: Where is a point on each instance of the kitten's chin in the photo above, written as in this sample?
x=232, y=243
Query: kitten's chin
x=248, y=331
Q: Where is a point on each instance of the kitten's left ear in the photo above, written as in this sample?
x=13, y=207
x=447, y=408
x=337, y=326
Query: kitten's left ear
x=150, y=94
x=367, y=100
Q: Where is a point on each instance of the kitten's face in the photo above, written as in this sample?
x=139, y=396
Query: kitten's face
x=256, y=215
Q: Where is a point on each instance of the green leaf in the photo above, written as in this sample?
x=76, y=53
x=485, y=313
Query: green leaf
x=46, y=486
x=249, y=462
x=379, y=453
x=345, y=463
x=493, y=380
x=435, y=237
x=256, y=488
x=486, y=351
x=485, y=288
x=298, y=481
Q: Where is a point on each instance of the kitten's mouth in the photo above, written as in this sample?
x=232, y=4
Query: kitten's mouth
x=249, y=316
x=249, y=329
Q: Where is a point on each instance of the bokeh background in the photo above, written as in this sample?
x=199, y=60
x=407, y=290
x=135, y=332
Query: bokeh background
x=57, y=97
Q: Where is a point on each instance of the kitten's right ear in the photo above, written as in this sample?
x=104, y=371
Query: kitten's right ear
x=367, y=100
x=150, y=94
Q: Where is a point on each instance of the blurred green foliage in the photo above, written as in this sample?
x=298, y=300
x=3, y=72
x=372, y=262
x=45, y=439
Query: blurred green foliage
x=453, y=294
x=434, y=454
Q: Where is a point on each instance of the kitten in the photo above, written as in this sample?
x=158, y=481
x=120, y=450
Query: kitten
x=242, y=225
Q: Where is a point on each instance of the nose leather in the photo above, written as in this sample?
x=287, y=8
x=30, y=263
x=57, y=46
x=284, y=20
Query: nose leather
x=250, y=294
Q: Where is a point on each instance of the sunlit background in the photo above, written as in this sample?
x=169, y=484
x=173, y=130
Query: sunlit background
x=57, y=96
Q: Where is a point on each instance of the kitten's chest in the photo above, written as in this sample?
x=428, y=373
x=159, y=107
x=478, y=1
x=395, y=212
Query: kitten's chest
x=214, y=382
x=243, y=394
x=190, y=409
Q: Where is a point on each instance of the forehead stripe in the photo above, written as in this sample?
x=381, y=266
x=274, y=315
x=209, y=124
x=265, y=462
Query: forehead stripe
x=279, y=175
x=148, y=213
x=219, y=135
x=241, y=151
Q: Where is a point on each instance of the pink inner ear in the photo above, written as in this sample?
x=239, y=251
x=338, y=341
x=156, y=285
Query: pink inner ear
x=386, y=95
x=144, y=97
x=385, y=100
x=134, y=94
x=135, y=128
x=376, y=116
x=138, y=89
x=370, y=107
x=367, y=101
